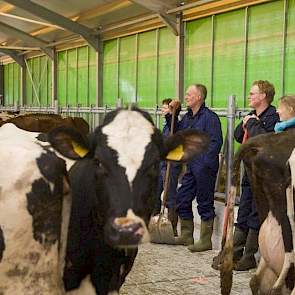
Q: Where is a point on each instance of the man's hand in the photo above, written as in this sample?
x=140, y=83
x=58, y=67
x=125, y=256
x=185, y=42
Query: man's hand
x=246, y=118
x=174, y=105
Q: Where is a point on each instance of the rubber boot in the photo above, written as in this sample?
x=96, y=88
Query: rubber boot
x=239, y=238
x=204, y=243
x=186, y=235
x=248, y=259
x=173, y=218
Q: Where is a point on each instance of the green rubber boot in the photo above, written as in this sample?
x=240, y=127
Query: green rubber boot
x=204, y=243
x=186, y=235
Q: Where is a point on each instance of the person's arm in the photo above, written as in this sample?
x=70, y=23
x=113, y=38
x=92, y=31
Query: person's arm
x=174, y=104
x=239, y=133
x=256, y=126
x=213, y=128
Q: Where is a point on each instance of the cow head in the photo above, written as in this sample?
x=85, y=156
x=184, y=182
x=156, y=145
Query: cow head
x=120, y=163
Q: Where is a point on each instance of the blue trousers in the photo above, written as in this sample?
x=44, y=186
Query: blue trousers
x=247, y=214
x=198, y=182
x=173, y=182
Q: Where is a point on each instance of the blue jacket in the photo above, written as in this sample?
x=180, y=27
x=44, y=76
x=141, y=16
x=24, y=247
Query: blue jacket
x=207, y=121
x=266, y=123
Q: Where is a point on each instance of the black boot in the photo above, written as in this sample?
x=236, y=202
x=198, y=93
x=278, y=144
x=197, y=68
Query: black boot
x=248, y=259
x=240, y=238
x=173, y=218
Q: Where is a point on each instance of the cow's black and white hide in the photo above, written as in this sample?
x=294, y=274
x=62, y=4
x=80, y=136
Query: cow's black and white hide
x=265, y=158
x=112, y=184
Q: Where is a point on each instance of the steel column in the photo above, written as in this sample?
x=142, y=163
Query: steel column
x=231, y=111
x=179, y=69
x=1, y=85
x=286, y=2
x=54, y=98
x=246, y=20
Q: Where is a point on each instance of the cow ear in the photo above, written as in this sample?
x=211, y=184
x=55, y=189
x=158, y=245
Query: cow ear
x=68, y=142
x=185, y=145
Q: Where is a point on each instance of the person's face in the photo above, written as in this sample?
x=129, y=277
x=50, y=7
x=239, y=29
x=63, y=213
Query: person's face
x=192, y=97
x=285, y=112
x=256, y=98
x=165, y=109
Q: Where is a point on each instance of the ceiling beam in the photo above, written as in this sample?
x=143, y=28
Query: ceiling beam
x=14, y=55
x=154, y=5
x=54, y=18
x=160, y=8
x=170, y=22
x=19, y=47
x=28, y=39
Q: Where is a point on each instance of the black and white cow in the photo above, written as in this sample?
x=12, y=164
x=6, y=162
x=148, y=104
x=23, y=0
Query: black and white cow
x=266, y=162
x=85, y=242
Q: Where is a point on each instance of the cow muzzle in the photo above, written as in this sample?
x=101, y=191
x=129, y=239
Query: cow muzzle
x=127, y=231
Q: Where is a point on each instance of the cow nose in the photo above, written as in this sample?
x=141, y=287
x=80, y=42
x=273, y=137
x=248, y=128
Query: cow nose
x=125, y=232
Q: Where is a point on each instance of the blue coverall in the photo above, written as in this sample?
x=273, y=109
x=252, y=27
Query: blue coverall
x=199, y=180
x=173, y=180
x=247, y=214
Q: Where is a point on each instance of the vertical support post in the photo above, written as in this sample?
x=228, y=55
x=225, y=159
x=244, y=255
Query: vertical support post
x=99, y=73
x=136, y=66
x=1, y=85
x=54, y=98
x=157, y=66
x=231, y=112
x=180, y=58
x=245, y=56
x=285, y=23
x=118, y=67
x=212, y=59
x=23, y=89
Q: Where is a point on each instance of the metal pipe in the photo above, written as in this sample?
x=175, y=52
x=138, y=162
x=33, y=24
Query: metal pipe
x=136, y=66
x=212, y=58
x=231, y=111
x=157, y=65
x=245, y=55
x=284, y=46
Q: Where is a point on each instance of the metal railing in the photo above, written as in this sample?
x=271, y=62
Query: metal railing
x=95, y=116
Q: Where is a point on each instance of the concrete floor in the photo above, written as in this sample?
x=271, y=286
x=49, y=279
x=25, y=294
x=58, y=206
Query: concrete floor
x=166, y=269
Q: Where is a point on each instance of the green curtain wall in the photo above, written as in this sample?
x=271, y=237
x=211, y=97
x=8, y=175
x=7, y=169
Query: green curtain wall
x=226, y=52
x=76, y=77
x=11, y=84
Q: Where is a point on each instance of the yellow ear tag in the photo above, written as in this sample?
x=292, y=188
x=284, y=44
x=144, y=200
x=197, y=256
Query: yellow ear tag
x=79, y=150
x=176, y=154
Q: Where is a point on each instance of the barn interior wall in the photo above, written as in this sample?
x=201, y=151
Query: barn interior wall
x=226, y=52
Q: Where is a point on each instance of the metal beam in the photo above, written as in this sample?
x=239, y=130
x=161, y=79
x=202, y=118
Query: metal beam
x=14, y=55
x=191, y=5
x=179, y=69
x=154, y=5
x=1, y=85
x=20, y=48
x=171, y=22
x=6, y=29
x=160, y=8
x=57, y=19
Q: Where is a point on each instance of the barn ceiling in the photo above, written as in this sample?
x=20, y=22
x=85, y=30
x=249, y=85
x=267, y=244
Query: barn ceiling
x=44, y=25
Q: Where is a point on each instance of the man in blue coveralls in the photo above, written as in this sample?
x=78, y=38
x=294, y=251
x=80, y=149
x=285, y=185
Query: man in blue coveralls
x=199, y=179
